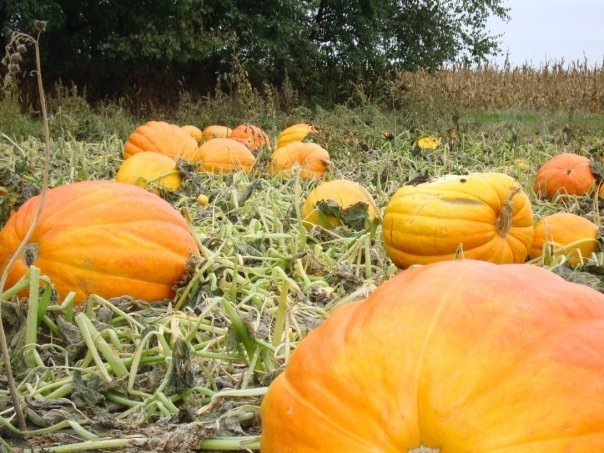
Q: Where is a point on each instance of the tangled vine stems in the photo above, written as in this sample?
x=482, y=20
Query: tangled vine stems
x=15, y=48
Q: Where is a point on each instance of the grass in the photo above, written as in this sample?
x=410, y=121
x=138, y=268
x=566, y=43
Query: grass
x=191, y=374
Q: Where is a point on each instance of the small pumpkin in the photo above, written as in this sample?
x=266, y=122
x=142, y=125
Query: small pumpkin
x=564, y=174
x=159, y=137
x=222, y=155
x=251, y=136
x=101, y=237
x=295, y=133
x=483, y=216
x=561, y=231
x=344, y=194
x=215, y=131
x=149, y=169
x=312, y=160
x=463, y=356
x=193, y=131
x=427, y=143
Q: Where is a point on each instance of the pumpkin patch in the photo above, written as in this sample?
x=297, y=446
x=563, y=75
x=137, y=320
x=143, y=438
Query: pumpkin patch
x=336, y=282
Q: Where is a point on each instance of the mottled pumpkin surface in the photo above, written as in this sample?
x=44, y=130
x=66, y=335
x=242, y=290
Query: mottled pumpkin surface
x=482, y=216
x=102, y=237
x=459, y=355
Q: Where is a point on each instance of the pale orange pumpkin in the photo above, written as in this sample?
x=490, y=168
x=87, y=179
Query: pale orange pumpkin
x=148, y=170
x=193, y=131
x=101, y=237
x=251, y=136
x=564, y=174
x=464, y=356
x=222, y=155
x=560, y=231
x=311, y=159
x=215, y=131
x=159, y=137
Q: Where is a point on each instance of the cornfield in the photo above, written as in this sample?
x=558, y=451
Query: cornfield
x=576, y=86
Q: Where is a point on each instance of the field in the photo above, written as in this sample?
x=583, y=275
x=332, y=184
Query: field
x=191, y=374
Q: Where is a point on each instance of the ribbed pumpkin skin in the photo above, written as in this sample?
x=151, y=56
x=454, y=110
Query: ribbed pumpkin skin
x=295, y=133
x=193, y=131
x=103, y=237
x=141, y=168
x=159, y=137
x=465, y=356
x=566, y=173
x=565, y=228
x=427, y=222
x=312, y=159
x=344, y=192
x=251, y=136
x=222, y=155
x=215, y=131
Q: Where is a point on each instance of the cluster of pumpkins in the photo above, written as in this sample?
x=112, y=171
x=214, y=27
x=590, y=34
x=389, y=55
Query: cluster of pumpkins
x=459, y=355
x=462, y=355
x=151, y=152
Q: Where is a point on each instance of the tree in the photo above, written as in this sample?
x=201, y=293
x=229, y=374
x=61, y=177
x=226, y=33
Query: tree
x=321, y=45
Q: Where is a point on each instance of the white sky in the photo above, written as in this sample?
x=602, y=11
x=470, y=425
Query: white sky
x=541, y=30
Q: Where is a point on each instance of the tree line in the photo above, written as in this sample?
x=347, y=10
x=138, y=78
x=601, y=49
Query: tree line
x=320, y=47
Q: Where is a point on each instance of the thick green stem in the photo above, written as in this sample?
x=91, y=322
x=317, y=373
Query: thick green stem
x=231, y=443
x=31, y=325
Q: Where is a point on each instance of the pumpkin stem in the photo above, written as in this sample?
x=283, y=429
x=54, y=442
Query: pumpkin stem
x=504, y=220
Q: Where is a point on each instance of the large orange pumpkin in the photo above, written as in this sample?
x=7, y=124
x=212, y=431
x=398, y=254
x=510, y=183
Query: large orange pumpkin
x=222, y=155
x=565, y=174
x=562, y=229
x=312, y=160
x=102, y=237
x=160, y=137
x=148, y=169
x=251, y=136
x=482, y=216
x=465, y=356
x=344, y=193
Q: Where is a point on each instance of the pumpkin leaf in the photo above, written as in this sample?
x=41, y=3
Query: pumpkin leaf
x=355, y=216
x=85, y=394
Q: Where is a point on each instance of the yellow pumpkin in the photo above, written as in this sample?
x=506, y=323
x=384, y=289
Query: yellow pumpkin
x=148, y=169
x=295, y=133
x=344, y=193
x=215, y=131
x=483, y=216
x=193, y=131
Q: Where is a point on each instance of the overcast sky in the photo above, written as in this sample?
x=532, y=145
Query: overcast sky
x=542, y=30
